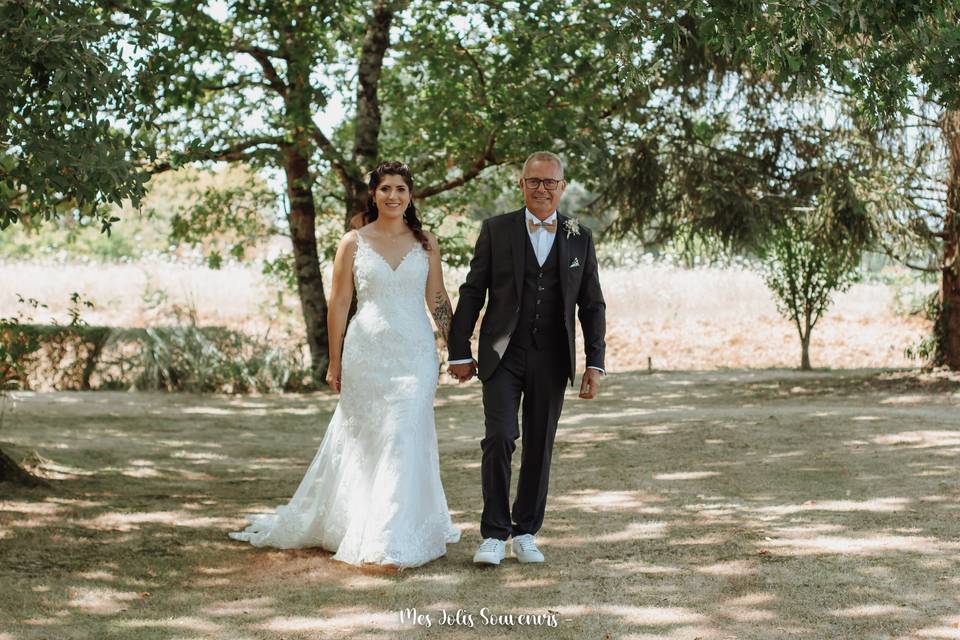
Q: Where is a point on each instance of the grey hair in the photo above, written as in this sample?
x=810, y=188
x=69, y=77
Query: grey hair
x=543, y=156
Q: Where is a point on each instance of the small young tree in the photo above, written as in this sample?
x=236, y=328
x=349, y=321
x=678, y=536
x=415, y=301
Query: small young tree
x=803, y=270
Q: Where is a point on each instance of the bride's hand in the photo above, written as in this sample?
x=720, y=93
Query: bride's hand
x=333, y=376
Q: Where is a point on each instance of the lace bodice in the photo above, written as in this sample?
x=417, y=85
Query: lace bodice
x=390, y=305
x=377, y=281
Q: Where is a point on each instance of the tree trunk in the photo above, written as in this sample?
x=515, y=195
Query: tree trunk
x=366, y=134
x=805, y=352
x=356, y=206
x=948, y=324
x=376, y=39
x=302, y=221
x=805, y=332
x=10, y=471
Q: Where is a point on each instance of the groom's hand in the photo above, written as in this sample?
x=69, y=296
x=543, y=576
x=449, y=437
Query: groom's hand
x=590, y=384
x=464, y=371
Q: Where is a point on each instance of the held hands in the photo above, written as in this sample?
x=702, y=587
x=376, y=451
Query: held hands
x=590, y=384
x=333, y=376
x=463, y=372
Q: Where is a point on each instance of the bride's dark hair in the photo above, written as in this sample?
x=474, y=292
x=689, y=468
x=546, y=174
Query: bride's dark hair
x=394, y=168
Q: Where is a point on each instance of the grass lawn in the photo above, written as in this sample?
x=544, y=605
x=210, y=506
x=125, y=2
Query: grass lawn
x=705, y=504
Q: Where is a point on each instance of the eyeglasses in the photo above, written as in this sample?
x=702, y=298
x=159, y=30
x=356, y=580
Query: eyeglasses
x=534, y=183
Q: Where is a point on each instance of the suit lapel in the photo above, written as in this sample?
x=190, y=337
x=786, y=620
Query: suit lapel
x=519, y=236
x=563, y=257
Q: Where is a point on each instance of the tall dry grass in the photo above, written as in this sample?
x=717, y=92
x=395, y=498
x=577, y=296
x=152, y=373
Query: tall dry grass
x=702, y=318
x=710, y=318
x=140, y=294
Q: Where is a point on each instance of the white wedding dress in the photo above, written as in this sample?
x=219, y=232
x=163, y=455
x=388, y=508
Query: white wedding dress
x=372, y=493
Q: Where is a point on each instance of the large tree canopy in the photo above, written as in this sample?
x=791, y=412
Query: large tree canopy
x=452, y=88
x=890, y=69
x=687, y=118
x=69, y=118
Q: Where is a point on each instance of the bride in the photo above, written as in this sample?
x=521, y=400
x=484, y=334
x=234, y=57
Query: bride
x=372, y=493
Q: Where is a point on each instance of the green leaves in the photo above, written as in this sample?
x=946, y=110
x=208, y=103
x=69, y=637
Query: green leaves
x=228, y=212
x=64, y=82
x=804, y=269
x=467, y=74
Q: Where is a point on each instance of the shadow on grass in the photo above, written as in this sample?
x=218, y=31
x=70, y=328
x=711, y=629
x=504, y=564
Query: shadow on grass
x=758, y=504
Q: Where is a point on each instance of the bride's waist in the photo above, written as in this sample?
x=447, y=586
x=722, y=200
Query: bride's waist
x=373, y=317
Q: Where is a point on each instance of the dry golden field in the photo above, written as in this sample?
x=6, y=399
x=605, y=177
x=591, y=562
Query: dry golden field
x=681, y=319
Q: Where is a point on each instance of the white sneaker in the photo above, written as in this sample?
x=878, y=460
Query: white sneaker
x=491, y=551
x=525, y=549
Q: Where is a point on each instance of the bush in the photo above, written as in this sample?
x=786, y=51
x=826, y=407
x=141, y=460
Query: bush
x=178, y=358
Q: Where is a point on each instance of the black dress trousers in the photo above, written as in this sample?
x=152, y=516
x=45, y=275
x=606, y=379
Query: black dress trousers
x=535, y=379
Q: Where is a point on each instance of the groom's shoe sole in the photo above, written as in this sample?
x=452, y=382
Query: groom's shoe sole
x=535, y=560
x=491, y=561
x=528, y=560
x=538, y=561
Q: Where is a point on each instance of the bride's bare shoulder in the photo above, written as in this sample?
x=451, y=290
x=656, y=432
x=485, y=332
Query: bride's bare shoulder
x=349, y=241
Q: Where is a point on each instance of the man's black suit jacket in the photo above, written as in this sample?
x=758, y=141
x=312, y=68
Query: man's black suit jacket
x=497, y=268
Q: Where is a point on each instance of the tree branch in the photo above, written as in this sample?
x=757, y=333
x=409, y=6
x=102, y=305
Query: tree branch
x=905, y=261
x=244, y=81
x=919, y=268
x=484, y=160
x=345, y=170
x=233, y=153
x=262, y=56
x=481, y=77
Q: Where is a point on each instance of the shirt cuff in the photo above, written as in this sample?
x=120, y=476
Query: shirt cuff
x=598, y=369
x=460, y=361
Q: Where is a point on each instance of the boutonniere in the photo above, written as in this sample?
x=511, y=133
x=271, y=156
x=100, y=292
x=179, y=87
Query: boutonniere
x=572, y=227
x=575, y=263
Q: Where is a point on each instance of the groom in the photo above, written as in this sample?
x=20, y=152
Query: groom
x=536, y=265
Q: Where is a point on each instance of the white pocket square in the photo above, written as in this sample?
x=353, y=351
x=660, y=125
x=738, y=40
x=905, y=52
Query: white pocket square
x=575, y=263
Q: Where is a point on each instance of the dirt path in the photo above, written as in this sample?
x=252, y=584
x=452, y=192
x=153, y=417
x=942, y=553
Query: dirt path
x=733, y=504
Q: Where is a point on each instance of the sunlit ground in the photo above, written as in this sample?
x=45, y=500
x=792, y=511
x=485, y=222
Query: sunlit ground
x=713, y=505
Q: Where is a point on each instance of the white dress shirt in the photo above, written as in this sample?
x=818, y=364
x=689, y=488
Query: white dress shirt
x=540, y=238
x=542, y=242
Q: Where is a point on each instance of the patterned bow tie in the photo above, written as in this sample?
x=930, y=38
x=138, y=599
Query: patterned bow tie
x=549, y=227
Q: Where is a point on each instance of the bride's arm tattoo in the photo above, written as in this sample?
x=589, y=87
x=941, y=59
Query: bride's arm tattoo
x=442, y=313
